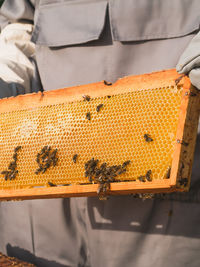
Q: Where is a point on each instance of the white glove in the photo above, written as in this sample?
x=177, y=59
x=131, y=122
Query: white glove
x=189, y=62
x=16, y=68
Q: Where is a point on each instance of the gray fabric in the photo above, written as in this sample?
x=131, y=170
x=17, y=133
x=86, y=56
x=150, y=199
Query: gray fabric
x=46, y=228
x=106, y=52
x=147, y=20
x=73, y=23
x=36, y=84
x=3, y=22
x=104, y=59
x=147, y=233
x=122, y=231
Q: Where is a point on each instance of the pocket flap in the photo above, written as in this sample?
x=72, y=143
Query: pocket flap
x=134, y=20
x=69, y=23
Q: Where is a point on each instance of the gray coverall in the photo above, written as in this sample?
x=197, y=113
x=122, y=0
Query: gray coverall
x=85, y=41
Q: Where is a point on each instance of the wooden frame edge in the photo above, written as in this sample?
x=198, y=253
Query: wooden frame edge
x=86, y=190
x=186, y=136
x=146, y=81
x=179, y=134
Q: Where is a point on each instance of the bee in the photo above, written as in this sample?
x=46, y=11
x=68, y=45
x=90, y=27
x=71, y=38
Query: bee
x=51, y=184
x=12, y=165
x=103, y=197
x=106, y=186
x=39, y=154
x=38, y=160
x=44, y=149
x=38, y=170
x=97, y=173
x=45, y=156
x=102, y=188
x=148, y=175
x=182, y=142
x=108, y=96
x=17, y=148
x=75, y=158
x=86, y=165
x=100, y=179
x=7, y=175
x=142, y=178
x=183, y=181
x=103, y=166
x=53, y=154
x=16, y=171
x=99, y=107
x=13, y=174
x=55, y=160
x=47, y=165
x=44, y=169
x=148, y=138
x=135, y=195
x=126, y=163
x=86, y=173
x=168, y=173
x=111, y=179
x=121, y=171
x=146, y=196
x=15, y=156
x=88, y=116
x=90, y=179
x=107, y=83
x=99, y=189
x=86, y=97
x=193, y=94
x=181, y=169
x=104, y=174
x=4, y=172
x=179, y=79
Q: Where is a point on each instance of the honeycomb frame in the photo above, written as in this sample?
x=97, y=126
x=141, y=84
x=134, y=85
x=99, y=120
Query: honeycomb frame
x=187, y=115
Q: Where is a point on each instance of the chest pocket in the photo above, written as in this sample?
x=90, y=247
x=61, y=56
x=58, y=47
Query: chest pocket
x=76, y=22
x=134, y=20
x=69, y=23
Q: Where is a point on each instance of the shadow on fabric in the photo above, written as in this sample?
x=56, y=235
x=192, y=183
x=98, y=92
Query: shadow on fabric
x=27, y=256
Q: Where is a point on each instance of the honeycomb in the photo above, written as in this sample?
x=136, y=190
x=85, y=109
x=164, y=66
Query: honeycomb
x=113, y=135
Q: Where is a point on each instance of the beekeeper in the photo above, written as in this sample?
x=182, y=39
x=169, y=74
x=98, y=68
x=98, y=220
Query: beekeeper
x=51, y=44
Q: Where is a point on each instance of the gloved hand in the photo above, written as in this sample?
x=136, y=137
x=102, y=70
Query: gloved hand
x=18, y=74
x=189, y=62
